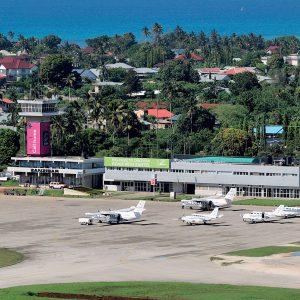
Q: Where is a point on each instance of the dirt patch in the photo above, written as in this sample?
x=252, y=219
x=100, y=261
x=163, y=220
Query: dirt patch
x=84, y=297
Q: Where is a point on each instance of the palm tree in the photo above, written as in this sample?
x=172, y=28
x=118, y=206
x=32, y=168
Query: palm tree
x=70, y=82
x=11, y=36
x=97, y=111
x=157, y=31
x=58, y=133
x=146, y=32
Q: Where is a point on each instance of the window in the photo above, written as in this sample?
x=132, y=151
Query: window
x=240, y=173
x=257, y=174
x=207, y=172
x=224, y=173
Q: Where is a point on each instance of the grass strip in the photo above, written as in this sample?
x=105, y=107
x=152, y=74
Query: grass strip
x=264, y=251
x=9, y=257
x=155, y=290
x=267, y=202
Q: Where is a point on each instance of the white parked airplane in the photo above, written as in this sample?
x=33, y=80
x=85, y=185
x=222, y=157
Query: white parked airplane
x=196, y=219
x=210, y=202
x=127, y=215
x=291, y=211
x=100, y=216
x=260, y=217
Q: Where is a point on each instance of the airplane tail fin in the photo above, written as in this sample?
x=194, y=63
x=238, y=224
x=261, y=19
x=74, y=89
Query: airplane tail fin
x=230, y=195
x=279, y=209
x=214, y=213
x=140, y=207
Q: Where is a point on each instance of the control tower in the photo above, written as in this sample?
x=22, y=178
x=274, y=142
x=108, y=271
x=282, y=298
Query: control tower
x=38, y=113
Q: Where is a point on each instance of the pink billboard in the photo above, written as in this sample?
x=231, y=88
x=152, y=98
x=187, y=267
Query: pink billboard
x=38, y=138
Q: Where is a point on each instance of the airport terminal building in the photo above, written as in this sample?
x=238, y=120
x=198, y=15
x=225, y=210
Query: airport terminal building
x=39, y=167
x=202, y=176
x=72, y=171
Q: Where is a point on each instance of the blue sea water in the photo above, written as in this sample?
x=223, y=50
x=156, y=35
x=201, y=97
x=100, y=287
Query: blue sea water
x=76, y=20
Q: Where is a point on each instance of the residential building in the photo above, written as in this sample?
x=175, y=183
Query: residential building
x=99, y=84
x=214, y=77
x=273, y=50
x=144, y=72
x=86, y=74
x=265, y=59
x=238, y=70
x=207, y=71
x=5, y=104
x=292, y=59
x=14, y=68
x=119, y=66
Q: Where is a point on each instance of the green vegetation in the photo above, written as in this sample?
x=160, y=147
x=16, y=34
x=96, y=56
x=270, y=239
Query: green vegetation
x=9, y=145
x=156, y=290
x=9, y=183
x=267, y=202
x=9, y=257
x=264, y=251
x=103, y=122
x=157, y=197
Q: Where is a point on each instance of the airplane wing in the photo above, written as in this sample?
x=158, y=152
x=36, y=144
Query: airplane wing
x=125, y=209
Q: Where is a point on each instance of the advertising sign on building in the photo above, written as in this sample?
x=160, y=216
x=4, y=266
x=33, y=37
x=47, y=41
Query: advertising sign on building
x=38, y=138
x=153, y=181
x=128, y=162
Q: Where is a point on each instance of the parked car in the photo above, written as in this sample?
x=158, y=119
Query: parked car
x=56, y=185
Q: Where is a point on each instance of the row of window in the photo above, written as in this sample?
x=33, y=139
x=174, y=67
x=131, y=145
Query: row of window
x=39, y=108
x=205, y=172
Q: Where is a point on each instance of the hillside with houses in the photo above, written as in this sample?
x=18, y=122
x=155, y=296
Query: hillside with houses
x=171, y=93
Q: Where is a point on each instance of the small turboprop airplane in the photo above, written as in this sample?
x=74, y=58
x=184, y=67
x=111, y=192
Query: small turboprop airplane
x=197, y=219
x=211, y=202
x=260, y=217
x=291, y=211
x=127, y=215
x=286, y=212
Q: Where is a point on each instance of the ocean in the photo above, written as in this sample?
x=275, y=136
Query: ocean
x=77, y=20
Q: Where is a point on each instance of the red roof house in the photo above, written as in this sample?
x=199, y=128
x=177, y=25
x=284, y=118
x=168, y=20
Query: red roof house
x=209, y=70
x=234, y=71
x=5, y=104
x=14, y=67
x=88, y=50
x=196, y=57
x=160, y=113
x=180, y=57
x=273, y=50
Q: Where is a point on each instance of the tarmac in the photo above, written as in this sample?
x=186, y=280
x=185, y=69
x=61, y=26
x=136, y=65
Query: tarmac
x=158, y=248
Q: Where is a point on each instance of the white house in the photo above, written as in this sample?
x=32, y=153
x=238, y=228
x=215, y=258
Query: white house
x=292, y=59
x=14, y=68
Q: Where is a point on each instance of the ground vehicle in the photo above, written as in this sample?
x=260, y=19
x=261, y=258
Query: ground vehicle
x=56, y=185
x=86, y=221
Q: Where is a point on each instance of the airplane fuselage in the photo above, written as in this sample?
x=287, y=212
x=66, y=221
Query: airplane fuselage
x=258, y=217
